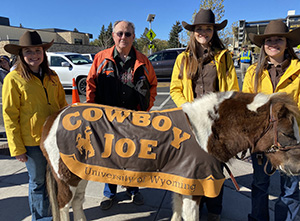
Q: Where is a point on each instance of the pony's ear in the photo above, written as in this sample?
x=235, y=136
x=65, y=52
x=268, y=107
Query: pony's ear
x=280, y=110
x=282, y=104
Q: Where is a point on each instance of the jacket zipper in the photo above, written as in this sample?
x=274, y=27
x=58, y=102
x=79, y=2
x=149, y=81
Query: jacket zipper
x=46, y=95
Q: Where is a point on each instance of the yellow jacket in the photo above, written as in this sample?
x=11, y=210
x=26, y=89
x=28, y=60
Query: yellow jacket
x=289, y=81
x=26, y=105
x=181, y=90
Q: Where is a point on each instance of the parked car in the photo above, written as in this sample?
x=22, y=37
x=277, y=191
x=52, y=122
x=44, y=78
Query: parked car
x=298, y=53
x=163, y=61
x=89, y=56
x=70, y=65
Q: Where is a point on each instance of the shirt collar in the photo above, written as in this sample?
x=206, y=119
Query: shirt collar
x=130, y=55
x=283, y=65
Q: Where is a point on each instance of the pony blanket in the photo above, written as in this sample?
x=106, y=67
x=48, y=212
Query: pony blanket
x=155, y=149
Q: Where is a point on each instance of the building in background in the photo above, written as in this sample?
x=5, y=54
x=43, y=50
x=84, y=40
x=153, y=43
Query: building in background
x=64, y=40
x=258, y=27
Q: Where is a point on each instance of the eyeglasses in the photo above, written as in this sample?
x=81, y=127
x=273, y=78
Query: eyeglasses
x=120, y=34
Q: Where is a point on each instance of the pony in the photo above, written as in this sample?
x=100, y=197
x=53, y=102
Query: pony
x=224, y=124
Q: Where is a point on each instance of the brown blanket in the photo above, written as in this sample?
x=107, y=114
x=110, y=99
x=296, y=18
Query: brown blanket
x=147, y=149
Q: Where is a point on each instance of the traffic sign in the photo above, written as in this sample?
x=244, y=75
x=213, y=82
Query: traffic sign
x=150, y=35
x=151, y=46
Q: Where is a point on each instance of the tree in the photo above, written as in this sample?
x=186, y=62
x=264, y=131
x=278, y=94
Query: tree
x=173, y=41
x=142, y=42
x=215, y=5
x=108, y=34
x=160, y=44
x=105, y=39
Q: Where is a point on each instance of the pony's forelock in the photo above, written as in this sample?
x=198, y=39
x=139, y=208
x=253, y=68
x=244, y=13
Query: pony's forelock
x=258, y=101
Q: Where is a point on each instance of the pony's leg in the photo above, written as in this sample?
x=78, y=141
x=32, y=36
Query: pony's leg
x=190, y=208
x=78, y=199
x=177, y=207
x=64, y=213
x=64, y=199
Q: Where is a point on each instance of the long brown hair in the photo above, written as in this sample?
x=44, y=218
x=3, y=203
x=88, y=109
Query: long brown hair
x=24, y=70
x=196, y=56
x=262, y=62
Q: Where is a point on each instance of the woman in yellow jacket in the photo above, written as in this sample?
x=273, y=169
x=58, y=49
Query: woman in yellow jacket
x=205, y=66
x=30, y=94
x=277, y=70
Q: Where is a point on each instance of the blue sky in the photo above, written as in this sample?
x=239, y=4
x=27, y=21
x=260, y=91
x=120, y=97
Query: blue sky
x=89, y=16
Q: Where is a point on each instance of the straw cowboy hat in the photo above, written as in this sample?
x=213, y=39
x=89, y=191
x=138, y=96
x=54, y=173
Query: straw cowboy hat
x=277, y=28
x=204, y=17
x=28, y=39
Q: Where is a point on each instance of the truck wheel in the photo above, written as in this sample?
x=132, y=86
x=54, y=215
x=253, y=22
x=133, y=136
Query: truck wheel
x=81, y=86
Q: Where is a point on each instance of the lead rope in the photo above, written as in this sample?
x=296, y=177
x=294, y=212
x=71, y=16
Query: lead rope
x=272, y=169
x=232, y=177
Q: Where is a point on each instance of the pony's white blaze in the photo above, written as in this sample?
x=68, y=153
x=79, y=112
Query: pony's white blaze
x=51, y=147
x=258, y=101
x=202, y=113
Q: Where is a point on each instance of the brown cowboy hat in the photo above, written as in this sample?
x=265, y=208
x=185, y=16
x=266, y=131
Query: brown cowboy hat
x=204, y=17
x=276, y=28
x=28, y=39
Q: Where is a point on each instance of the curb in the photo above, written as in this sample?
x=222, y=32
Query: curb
x=4, y=150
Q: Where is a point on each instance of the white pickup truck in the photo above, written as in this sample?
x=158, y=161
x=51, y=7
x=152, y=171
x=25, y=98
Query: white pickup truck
x=70, y=65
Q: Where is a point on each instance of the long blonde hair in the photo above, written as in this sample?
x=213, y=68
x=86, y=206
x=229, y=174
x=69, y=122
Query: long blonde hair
x=262, y=62
x=196, y=56
x=24, y=70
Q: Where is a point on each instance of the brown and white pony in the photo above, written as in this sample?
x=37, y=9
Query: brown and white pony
x=224, y=124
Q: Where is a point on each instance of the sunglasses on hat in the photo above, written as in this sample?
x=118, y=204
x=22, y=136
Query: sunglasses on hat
x=120, y=34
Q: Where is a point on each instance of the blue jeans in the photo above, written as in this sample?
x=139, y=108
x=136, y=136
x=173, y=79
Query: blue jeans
x=110, y=190
x=287, y=204
x=37, y=195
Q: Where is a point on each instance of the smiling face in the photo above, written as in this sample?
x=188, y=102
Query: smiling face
x=203, y=34
x=274, y=47
x=33, y=56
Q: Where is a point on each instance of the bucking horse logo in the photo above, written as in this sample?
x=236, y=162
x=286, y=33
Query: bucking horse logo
x=84, y=144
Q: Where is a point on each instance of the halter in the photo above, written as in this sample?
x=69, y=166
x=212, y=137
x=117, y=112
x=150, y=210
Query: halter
x=276, y=145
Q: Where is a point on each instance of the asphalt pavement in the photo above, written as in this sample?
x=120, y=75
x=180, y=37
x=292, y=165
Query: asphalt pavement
x=14, y=199
x=14, y=195
x=236, y=204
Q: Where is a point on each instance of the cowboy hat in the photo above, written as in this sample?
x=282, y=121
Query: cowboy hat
x=28, y=39
x=276, y=28
x=204, y=17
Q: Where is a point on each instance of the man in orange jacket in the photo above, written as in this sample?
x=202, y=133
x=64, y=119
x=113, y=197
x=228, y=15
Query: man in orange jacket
x=123, y=77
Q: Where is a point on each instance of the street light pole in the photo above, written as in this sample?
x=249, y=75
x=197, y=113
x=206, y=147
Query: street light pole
x=150, y=19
